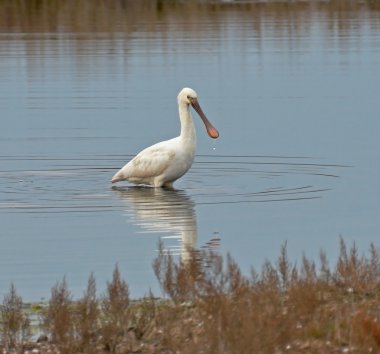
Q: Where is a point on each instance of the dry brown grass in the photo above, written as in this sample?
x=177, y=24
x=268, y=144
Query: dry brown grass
x=87, y=318
x=209, y=306
x=15, y=327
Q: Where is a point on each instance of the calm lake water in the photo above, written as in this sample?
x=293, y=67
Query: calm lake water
x=293, y=90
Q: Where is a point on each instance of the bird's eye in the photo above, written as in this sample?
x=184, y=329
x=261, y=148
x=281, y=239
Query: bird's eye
x=188, y=97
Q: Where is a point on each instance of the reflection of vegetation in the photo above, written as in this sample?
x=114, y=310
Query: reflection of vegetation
x=81, y=16
x=44, y=28
x=213, y=308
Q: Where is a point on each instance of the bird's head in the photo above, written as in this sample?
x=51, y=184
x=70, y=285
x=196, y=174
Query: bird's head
x=189, y=96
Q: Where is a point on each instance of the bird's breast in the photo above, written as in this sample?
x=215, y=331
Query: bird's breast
x=184, y=157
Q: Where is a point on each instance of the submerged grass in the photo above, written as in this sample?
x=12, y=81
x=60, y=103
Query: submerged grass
x=209, y=306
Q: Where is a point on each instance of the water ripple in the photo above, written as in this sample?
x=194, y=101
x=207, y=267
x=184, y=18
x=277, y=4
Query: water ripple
x=80, y=183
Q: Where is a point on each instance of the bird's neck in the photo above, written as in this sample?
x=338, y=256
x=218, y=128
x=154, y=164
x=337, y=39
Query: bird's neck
x=187, y=124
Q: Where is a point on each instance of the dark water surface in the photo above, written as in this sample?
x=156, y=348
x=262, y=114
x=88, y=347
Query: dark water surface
x=292, y=88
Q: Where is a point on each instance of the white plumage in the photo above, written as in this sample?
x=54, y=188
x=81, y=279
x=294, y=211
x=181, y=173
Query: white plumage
x=161, y=164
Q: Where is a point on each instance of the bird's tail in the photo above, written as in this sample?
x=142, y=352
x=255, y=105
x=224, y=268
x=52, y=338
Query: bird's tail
x=119, y=176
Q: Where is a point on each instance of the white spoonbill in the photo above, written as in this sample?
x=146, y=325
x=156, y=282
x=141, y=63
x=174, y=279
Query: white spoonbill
x=161, y=164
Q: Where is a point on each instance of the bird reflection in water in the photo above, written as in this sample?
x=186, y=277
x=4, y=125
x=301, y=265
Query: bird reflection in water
x=168, y=212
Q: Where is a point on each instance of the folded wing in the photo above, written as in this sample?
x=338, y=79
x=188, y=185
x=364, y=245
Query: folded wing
x=149, y=163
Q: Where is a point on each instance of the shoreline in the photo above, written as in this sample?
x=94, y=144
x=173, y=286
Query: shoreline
x=210, y=307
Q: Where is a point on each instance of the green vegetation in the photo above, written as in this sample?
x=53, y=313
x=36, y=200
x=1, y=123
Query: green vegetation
x=211, y=307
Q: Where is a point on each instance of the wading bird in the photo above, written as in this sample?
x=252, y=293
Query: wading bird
x=163, y=163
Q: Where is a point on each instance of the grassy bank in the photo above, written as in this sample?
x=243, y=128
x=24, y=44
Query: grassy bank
x=210, y=307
